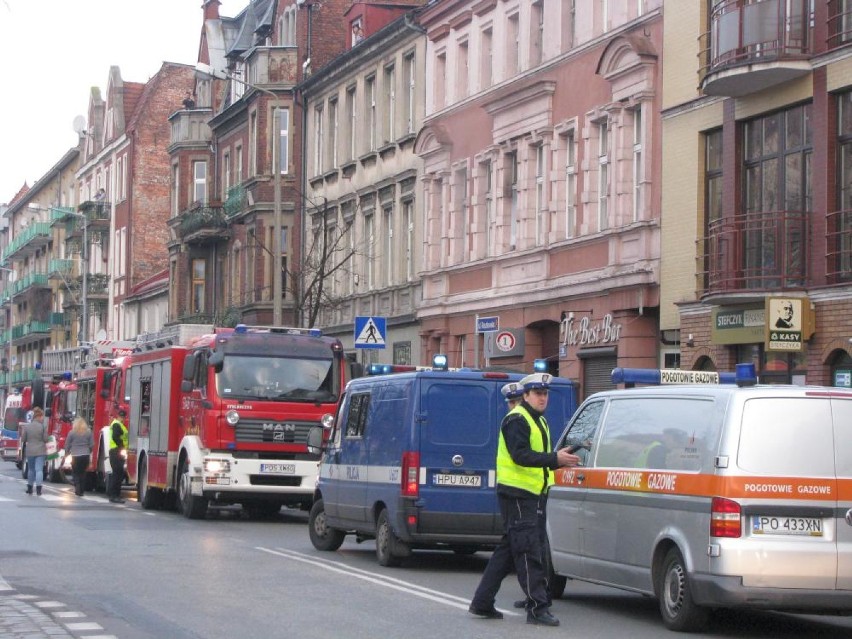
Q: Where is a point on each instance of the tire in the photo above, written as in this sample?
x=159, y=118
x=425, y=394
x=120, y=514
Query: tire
x=680, y=613
x=465, y=551
x=389, y=549
x=25, y=467
x=100, y=473
x=191, y=506
x=149, y=498
x=323, y=537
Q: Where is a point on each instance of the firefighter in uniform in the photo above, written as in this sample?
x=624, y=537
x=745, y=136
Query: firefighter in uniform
x=524, y=464
x=118, y=440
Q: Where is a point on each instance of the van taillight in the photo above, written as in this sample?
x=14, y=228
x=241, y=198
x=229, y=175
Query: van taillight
x=410, y=474
x=725, y=518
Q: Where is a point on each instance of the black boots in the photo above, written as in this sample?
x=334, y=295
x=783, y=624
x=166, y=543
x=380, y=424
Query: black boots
x=29, y=489
x=38, y=490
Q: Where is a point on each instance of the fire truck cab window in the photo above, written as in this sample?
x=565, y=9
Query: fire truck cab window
x=280, y=378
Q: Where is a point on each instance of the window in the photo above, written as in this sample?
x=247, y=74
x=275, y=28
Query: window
x=199, y=277
x=199, y=181
x=539, y=195
x=253, y=144
x=570, y=185
x=488, y=180
x=284, y=141
x=713, y=176
x=175, y=190
x=536, y=32
x=370, y=256
x=841, y=226
x=318, y=140
x=440, y=80
x=351, y=117
x=603, y=175
x=411, y=99
x=226, y=174
x=332, y=132
x=638, y=169
x=356, y=418
x=390, y=104
x=357, y=30
x=462, y=62
x=370, y=96
x=238, y=84
x=511, y=172
x=486, y=59
x=239, y=170
x=513, y=47
x=389, y=240
x=408, y=225
x=353, y=276
x=777, y=185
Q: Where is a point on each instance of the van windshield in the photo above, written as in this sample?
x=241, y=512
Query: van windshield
x=13, y=417
x=277, y=379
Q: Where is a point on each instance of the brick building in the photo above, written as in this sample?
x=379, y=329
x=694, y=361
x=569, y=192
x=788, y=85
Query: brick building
x=757, y=255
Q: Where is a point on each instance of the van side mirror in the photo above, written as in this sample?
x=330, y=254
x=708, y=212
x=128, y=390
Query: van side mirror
x=315, y=440
x=48, y=412
x=216, y=359
x=185, y=386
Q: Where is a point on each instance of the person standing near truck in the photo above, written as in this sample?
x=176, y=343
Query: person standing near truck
x=524, y=464
x=118, y=440
x=79, y=445
x=34, y=444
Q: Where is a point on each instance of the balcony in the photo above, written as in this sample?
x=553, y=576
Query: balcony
x=753, y=46
x=28, y=240
x=755, y=254
x=60, y=269
x=838, y=254
x=202, y=224
x=839, y=23
x=235, y=202
x=33, y=280
x=272, y=67
x=32, y=330
x=96, y=213
x=190, y=129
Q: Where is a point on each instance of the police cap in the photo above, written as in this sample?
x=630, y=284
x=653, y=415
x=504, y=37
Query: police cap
x=536, y=380
x=512, y=390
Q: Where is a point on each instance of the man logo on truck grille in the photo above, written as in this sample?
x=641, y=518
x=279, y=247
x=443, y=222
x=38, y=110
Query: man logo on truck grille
x=279, y=428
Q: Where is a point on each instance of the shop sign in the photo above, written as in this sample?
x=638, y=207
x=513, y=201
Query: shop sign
x=733, y=325
x=587, y=332
x=785, y=325
x=843, y=378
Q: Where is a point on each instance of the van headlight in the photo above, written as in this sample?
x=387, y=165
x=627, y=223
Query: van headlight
x=232, y=417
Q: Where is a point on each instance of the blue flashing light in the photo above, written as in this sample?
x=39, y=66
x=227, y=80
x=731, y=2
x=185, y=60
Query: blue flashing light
x=378, y=369
x=38, y=366
x=540, y=365
x=241, y=328
x=67, y=376
x=746, y=374
x=440, y=362
x=315, y=332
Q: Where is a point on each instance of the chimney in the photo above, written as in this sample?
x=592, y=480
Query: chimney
x=211, y=9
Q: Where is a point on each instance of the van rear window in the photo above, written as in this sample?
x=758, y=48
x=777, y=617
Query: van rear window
x=791, y=437
x=665, y=433
x=460, y=414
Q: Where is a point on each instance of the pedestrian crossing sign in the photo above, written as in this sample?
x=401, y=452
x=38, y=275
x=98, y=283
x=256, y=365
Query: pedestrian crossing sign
x=370, y=332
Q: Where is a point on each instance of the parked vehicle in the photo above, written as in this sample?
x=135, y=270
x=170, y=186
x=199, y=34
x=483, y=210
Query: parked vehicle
x=710, y=496
x=224, y=417
x=411, y=461
x=14, y=412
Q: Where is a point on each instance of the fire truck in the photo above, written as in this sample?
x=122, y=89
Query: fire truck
x=224, y=418
x=91, y=387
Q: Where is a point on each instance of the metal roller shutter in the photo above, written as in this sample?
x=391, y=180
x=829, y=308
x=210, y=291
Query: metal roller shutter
x=597, y=374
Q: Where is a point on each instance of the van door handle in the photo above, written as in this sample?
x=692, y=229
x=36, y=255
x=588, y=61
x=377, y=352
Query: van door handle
x=581, y=478
x=849, y=516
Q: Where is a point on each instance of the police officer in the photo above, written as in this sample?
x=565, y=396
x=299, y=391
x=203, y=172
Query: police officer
x=118, y=441
x=524, y=464
x=513, y=392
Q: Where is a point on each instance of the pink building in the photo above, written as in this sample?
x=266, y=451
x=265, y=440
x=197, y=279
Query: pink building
x=541, y=148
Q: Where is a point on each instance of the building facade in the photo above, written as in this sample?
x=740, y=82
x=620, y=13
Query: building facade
x=363, y=242
x=541, y=162
x=756, y=226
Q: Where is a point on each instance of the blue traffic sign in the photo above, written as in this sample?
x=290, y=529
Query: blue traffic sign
x=487, y=324
x=370, y=332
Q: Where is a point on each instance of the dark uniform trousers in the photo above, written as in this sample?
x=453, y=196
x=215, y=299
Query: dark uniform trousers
x=522, y=548
x=116, y=462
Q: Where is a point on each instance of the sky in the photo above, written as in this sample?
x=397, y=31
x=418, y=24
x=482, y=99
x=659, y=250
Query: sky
x=54, y=51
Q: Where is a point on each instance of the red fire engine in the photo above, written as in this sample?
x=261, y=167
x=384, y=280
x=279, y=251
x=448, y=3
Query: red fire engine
x=225, y=418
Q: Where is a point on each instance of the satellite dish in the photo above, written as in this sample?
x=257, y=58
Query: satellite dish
x=100, y=335
x=79, y=124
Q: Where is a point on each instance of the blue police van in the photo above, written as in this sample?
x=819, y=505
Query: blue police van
x=410, y=461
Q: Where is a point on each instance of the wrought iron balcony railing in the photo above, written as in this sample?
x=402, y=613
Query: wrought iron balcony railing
x=754, y=252
x=202, y=218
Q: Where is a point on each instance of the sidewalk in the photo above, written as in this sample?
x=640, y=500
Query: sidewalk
x=19, y=619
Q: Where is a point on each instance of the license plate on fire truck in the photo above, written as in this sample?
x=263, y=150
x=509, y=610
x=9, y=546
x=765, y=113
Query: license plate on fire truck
x=278, y=469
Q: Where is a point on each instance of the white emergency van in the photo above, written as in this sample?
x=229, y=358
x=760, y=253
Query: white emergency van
x=710, y=496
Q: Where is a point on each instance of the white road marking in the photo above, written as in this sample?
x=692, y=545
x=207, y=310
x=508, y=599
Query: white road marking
x=380, y=580
x=49, y=604
x=84, y=625
x=68, y=614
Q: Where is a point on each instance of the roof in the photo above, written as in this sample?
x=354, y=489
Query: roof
x=257, y=17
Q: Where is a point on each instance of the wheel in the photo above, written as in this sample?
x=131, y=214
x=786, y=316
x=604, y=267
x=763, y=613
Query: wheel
x=150, y=498
x=389, y=549
x=191, y=506
x=25, y=469
x=323, y=537
x=465, y=551
x=679, y=611
x=100, y=473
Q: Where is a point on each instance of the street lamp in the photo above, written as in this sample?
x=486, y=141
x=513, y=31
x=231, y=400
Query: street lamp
x=12, y=277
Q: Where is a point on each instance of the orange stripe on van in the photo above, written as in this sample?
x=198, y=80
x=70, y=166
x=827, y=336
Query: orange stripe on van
x=702, y=485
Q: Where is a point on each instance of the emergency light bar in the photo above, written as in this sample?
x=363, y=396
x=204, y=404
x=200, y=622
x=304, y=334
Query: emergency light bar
x=240, y=329
x=657, y=376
